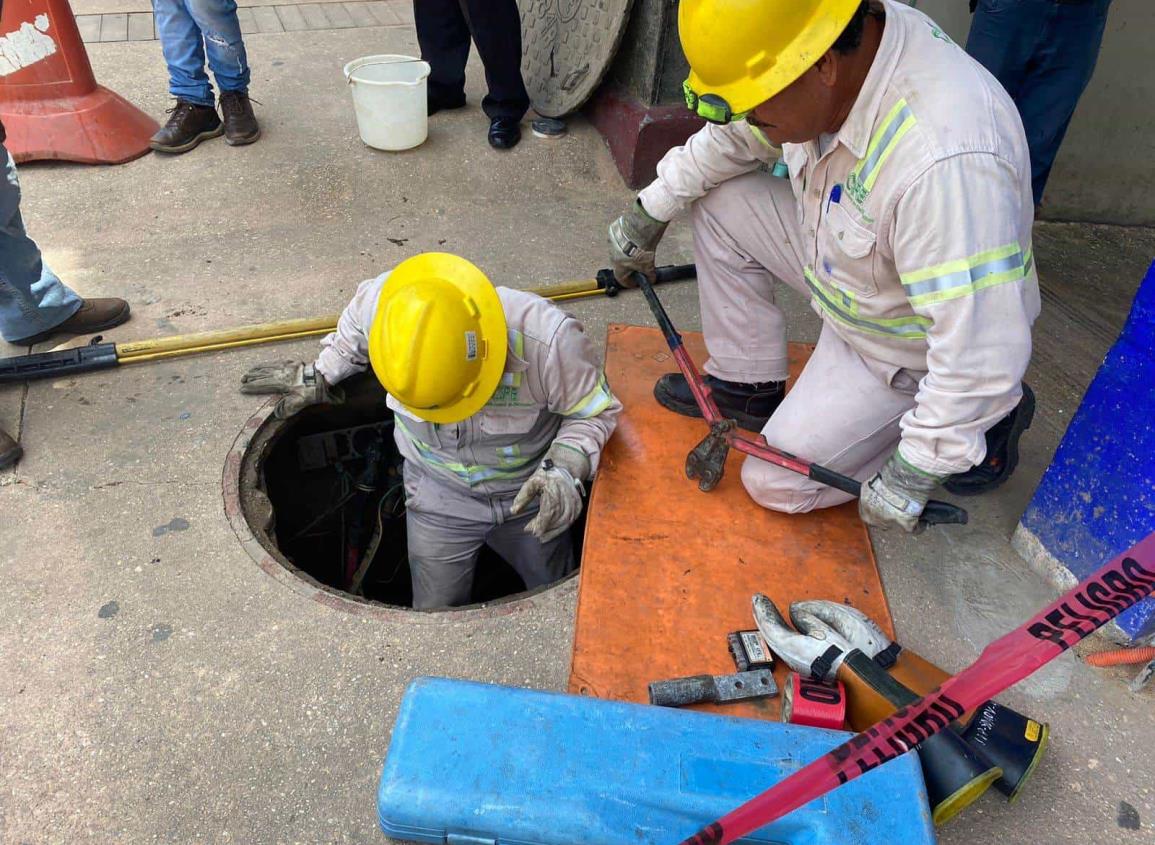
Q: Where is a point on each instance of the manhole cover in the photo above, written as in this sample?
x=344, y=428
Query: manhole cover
x=318, y=502
x=567, y=47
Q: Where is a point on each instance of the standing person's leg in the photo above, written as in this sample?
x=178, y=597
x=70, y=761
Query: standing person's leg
x=443, y=34
x=32, y=298
x=842, y=413
x=536, y=562
x=194, y=117
x=1004, y=36
x=746, y=239
x=1060, y=71
x=496, y=29
x=218, y=23
x=182, y=44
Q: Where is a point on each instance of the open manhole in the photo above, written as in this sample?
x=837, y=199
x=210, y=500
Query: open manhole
x=320, y=496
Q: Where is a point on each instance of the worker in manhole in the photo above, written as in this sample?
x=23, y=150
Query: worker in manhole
x=900, y=207
x=501, y=411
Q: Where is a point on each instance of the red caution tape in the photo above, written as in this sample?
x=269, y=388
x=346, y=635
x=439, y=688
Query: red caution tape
x=1120, y=584
x=813, y=703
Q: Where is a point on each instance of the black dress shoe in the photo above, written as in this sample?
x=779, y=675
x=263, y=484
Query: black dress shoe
x=1002, y=451
x=504, y=133
x=435, y=104
x=750, y=405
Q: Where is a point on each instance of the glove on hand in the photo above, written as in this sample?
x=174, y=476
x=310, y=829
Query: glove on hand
x=557, y=484
x=849, y=623
x=896, y=495
x=816, y=653
x=299, y=383
x=633, y=241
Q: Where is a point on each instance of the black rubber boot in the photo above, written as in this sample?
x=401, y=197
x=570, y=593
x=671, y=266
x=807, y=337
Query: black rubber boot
x=1002, y=451
x=750, y=405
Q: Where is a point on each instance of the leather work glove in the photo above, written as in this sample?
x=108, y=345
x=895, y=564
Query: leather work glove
x=633, y=241
x=557, y=486
x=896, y=495
x=816, y=653
x=298, y=383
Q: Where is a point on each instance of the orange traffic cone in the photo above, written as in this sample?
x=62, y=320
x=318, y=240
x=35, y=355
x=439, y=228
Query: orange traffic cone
x=50, y=103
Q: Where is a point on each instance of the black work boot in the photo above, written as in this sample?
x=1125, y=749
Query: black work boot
x=10, y=451
x=187, y=126
x=1002, y=451
x=750, y=405
x=240, y=122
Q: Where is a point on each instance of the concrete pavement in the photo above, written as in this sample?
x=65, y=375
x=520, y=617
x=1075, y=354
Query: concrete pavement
x=156, y=686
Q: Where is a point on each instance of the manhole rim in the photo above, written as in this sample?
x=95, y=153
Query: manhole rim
x=283, y=571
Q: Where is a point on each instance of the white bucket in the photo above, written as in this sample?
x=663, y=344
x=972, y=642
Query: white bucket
x=389, y=99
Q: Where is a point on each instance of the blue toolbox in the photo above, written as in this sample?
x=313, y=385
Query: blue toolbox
x=475, y=764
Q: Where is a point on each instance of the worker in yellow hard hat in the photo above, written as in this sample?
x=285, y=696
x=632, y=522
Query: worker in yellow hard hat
x=855, y=155
x=501, y=410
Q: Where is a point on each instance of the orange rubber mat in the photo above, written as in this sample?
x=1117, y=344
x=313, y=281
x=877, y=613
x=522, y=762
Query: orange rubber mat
x=668, y=571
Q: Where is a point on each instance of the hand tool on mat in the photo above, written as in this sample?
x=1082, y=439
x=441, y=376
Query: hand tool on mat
x=102, y=356
x=713, y=689
x=707, y=461
x=1117, y=586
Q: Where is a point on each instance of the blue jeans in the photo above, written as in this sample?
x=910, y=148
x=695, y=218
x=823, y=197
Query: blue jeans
x=1043, y=52
x=32, y=298
x=188, y=30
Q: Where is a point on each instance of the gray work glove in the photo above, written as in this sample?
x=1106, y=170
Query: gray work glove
x=850, y=623
x=298, y=383
x=815, y=650
x=896, y=495
x=557, y=486
x=633, y=243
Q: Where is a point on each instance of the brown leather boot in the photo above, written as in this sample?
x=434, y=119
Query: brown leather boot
x=94, y=315
x=240, y=122
x=10, y=451
x=187, y=126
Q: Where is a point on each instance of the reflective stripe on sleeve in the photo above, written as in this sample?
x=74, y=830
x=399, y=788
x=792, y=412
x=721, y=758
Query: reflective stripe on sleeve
x=593, y=403
x=954, y=279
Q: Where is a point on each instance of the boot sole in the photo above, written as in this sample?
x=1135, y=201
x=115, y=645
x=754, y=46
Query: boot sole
x=185, y=147
x=240, y=142
x=744, y=420
x=1022, y=423
x=110, y=323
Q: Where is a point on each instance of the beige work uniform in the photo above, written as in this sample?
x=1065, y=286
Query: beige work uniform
x=910, y=233
x=461, y=479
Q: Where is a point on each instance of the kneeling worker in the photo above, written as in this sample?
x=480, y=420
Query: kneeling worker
x=501, y=410
x=905, y=220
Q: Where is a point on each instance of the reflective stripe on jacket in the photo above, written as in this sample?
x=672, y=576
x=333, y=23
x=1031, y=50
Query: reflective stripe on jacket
x=917, y=228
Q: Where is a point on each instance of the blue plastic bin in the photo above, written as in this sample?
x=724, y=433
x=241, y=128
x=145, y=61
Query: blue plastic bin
x=1097, y=498
x=472, y=763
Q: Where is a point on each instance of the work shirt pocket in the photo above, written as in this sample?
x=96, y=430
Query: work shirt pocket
x=507, y=421
x=846, y=252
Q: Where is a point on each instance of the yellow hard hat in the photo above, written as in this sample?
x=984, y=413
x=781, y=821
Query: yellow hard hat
x=438, y=340
x=743, y=52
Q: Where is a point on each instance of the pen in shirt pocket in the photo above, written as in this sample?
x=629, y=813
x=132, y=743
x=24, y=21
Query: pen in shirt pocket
x=835, y=196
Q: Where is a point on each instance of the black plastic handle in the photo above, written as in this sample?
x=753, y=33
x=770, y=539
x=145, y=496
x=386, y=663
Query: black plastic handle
x=935, y=512
x=943, y=513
